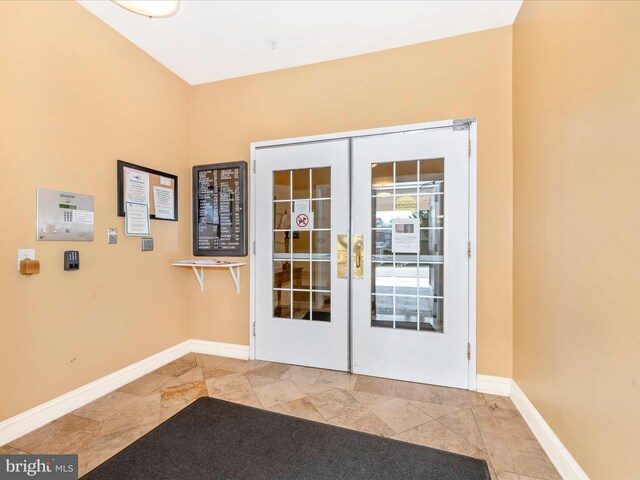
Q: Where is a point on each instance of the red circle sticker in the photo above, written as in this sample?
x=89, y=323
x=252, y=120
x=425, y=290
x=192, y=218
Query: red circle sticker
x=302, y=220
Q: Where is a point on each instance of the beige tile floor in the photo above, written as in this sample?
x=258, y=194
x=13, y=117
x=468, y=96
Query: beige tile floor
x=460, y=421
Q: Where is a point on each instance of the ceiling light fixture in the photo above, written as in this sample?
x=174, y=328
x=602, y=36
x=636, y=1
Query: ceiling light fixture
x=150, y=8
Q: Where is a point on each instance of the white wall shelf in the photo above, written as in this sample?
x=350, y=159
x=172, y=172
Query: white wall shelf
x=198, y=267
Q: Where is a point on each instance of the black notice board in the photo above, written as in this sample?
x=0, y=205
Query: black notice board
x=219, y=209
x=156, y=178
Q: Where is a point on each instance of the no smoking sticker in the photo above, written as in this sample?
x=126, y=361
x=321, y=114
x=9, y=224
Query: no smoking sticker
x=302, y=221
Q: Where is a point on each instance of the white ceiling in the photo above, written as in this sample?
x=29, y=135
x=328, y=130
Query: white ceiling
x=213, y=40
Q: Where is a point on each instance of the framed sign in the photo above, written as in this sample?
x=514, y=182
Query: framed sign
x=141, y=185
x=219, y=209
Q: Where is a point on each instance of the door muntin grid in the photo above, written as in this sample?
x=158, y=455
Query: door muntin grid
x=301, y=264
x=407, y=288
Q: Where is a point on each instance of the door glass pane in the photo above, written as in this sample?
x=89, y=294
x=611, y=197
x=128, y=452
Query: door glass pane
x=281, y=245
x=321, y=276
x=382, y=311
x=281, y=274
x=431, y=314
x=406, y=279
x=282, y=185
x=381, y=179
x=381, y=211
x=431, y=245
x=301, y=275
x=407, y=284
x=381, y=246
x=321, y=182
x=321, y=303
x=301, y=305
x=301, y=183
x=431, y=208
x=281, y=215
x=301, y=244
x=321, y=213
x=382, y=278
x=282, y=303
x=432, y=175
x=301, y=258
x=406, y=177
x=430, y=280
x=321, y=246
x=406, y=312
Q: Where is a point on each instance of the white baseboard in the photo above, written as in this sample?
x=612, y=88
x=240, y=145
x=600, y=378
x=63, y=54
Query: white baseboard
x=36, y=417
x=494, y=385
x=221, y=349
x=561, y=458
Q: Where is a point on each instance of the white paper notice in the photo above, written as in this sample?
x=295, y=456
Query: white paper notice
x=83, y=217
x=163, y=200
x=137, y=219
x=165, y=181
x=302, y=221
x=136, y=187
x=301, y=206
x=405, y=236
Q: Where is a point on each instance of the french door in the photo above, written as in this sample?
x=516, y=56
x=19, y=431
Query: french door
x=362, y=255
x=302, y=194
x=411, y=318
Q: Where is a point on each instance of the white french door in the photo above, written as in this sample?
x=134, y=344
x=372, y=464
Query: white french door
x=410, y=319
x=361, y=259
x=302, y=198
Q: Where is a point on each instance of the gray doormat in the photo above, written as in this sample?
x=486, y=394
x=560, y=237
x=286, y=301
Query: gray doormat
x=214, y=439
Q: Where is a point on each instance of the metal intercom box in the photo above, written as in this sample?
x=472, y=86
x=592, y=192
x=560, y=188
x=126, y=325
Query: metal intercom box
x=64, y=216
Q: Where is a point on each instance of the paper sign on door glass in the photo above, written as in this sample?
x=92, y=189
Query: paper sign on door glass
x=301, y=206
x=405, y=235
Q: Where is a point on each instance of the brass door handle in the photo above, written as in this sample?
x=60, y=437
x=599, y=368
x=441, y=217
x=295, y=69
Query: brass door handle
x=358, y=256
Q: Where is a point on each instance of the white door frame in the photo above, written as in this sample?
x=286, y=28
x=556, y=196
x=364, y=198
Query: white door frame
x=473, y=150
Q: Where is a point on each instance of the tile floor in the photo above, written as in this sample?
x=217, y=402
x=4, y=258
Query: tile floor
x=460, y=421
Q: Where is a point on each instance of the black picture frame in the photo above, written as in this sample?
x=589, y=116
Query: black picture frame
x=242, y=236
x=120, y=198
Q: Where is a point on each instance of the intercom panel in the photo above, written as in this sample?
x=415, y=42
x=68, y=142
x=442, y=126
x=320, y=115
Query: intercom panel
x=64, y=216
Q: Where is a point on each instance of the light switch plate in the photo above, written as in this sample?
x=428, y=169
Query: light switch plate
x=26, y=253
x=147, y=244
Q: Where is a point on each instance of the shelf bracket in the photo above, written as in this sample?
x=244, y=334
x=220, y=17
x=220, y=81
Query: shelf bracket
x=199, y=276
x=236, y=277
x=233, y=270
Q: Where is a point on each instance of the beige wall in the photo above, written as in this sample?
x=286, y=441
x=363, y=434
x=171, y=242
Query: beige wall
x=576, y=226
x=75, y=96
x=463, y=76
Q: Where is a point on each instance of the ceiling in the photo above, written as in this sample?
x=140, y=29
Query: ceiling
x=214, y=40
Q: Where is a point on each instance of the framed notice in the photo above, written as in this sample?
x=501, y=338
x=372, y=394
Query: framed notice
x=219, y=209
x=145, y=186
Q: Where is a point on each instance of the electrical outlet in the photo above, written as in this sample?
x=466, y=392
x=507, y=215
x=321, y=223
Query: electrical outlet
x=26, y=253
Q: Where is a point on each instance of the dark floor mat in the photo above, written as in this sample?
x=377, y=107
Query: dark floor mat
x=214, y=439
